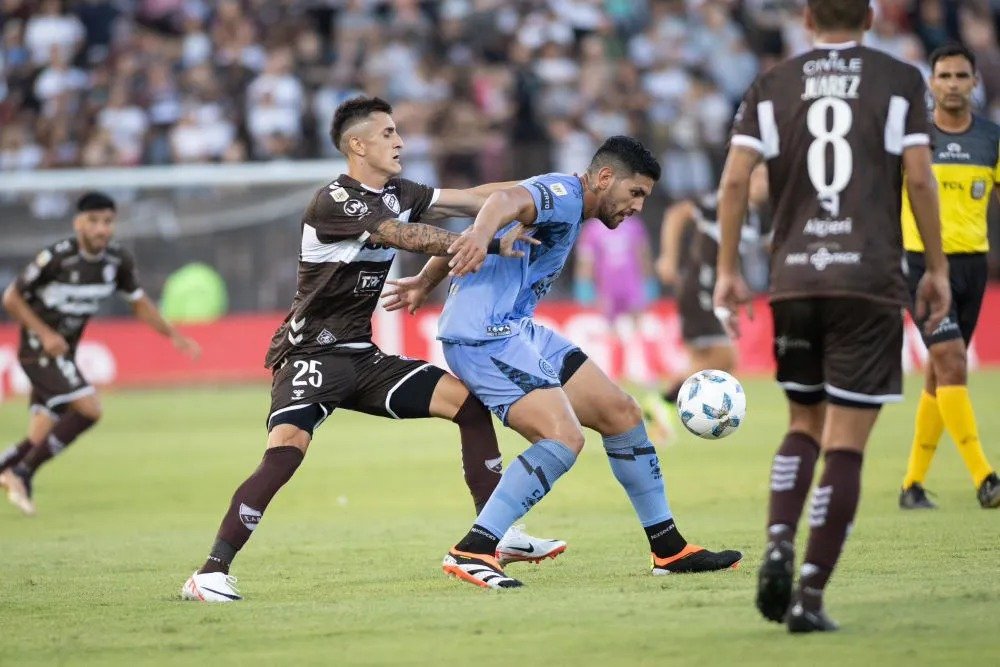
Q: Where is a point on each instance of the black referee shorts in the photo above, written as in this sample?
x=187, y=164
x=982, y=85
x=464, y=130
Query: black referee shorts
x=968, y=273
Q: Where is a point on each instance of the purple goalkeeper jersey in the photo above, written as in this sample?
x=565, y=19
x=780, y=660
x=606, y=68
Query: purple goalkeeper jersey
x=617, y=260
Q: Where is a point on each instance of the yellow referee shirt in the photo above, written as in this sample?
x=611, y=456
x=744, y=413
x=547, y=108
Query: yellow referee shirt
x=966, y=165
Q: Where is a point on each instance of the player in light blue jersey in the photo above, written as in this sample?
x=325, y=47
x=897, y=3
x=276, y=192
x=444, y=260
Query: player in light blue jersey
x=537, y=382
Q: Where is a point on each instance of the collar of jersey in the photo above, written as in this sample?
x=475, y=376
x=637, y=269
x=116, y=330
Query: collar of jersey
x=353, y=182
x=839, y=46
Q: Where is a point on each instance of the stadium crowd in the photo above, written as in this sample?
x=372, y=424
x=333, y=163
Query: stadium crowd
x=106, y=82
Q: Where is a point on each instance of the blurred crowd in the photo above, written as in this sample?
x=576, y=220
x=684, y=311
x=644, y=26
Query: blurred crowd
x=483, y=89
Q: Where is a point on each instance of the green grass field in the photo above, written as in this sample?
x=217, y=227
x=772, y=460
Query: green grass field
x=344, y=569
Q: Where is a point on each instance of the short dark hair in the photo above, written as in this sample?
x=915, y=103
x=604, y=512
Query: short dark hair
x=625, y=156
x=839, y=14
x=949, y=50
x=94, y=201
x=354, y=111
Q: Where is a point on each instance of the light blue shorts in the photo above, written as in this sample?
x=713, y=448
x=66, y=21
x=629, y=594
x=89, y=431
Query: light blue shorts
x=502, y=371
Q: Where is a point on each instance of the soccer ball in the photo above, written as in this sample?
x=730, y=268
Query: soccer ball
x=712, y=404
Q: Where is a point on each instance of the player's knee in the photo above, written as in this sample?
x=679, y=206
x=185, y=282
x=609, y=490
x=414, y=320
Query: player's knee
x=91, y=411
x=288, y=435
x=565, y=430
x=618, y=414
x=808, y=419
x=573, y=438
x=950, y=364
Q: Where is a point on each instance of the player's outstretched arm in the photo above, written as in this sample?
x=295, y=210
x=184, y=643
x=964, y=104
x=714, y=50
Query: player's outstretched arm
x=731, y=291
x=413, y=236
x=464, y=203
x=675, y=221
x=501, y=208
x=411, y=293
x=430, y=240
x=933, y=297
x=146, y=311
x=52, y=342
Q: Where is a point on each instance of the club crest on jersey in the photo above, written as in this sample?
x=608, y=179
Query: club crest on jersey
x=355, y=207
x=392, y=201
x=325, y=337
x=978, y=189
x=370, y=282
x=546, y=368
x=109, y=272
x=339, y=194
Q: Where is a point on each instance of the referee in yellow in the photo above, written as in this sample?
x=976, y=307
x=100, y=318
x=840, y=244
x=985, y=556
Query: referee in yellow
x=967, y=165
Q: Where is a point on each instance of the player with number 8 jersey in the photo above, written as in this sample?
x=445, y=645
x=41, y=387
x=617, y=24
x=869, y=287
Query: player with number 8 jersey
x=838, y=126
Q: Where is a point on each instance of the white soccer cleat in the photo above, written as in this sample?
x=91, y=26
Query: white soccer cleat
x=211, y=587
x=18, y=493
x=516, y=545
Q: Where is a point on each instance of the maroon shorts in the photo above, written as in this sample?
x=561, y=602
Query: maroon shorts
x=55, y=383
x=846, y=350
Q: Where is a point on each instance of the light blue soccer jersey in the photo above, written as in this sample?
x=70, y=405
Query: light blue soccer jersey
x=492, y=302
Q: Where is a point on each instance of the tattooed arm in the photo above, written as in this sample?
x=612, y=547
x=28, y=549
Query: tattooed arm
x=414, y=237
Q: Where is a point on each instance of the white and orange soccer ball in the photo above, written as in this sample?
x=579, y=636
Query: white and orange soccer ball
x=712, y=404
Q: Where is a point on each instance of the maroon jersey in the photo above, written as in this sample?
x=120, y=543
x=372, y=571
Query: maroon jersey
x=341, y=274
x=64, y=287
x=832, y=125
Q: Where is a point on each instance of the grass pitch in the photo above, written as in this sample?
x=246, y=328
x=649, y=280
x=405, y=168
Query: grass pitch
x=345, y=566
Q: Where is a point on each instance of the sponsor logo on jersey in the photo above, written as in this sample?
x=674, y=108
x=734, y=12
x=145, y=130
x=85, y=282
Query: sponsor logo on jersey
x=498, y=330
x=109, y=272
x=546, y=196
x=355, y=207
x=370, y=282
x=325, y=337
x=978, y=189
x=558, y=189
x=953, y=151
x=824, y=228
x=822, y=258
x=43, y=258
x=392, y=201
x=339, y=194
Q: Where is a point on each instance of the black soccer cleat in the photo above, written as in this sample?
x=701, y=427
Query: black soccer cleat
x=989, y=492
x=693, y=559
x=774, y=581
x=914, y=497
x=801, y=620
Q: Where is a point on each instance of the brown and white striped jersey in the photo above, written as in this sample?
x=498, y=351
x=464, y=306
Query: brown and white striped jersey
x=341, y=274
x=832, y=125
x=64, y=287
